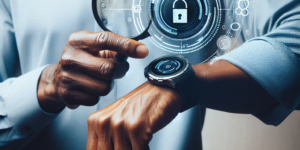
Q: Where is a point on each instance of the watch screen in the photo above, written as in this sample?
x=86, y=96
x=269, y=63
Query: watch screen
x=167, y=66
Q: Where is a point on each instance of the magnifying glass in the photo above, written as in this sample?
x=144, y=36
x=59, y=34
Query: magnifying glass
x=124, y=18
x=175, y=26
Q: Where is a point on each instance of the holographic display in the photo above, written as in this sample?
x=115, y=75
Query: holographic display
x=178, y=26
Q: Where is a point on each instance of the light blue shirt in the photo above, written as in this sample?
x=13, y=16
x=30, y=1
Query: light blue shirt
x=33, y=34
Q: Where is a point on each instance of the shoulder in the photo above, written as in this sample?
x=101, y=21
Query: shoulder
x=268, y=14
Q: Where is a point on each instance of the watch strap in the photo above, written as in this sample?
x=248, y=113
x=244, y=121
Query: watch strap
x=189, y=92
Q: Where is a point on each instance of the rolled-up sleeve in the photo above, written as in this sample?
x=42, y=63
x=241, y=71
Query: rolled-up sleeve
x=20, y=114
x=273, y=61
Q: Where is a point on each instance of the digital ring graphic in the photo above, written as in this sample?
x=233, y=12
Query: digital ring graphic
x=177, y=26
x=242, y=8
x=224, y=42
x=167, y=67
x=204, y=18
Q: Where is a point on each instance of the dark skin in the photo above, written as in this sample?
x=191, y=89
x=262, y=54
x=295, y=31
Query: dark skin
x=130, y=122
x=86, y=70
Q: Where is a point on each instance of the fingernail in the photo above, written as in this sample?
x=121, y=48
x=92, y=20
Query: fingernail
x=141, y=51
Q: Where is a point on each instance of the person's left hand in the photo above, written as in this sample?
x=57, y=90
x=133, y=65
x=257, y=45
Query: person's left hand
x=130, y=122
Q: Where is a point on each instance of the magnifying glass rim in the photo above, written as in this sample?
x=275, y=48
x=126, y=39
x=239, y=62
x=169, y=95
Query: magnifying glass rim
x=143, y=35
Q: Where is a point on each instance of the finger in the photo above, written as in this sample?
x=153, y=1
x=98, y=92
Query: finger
x=103, y=129
x=139, y=141
x=99, y=67
x=75, y=97
x=105, y=145
x=86, y=83
x=112, y=54
x=92, y=142
x=72, y=106
x=141, y=147
x=108, y=41
x=104, y=140
x=121, y=142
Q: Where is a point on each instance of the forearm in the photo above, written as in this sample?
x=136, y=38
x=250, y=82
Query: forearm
x=226, y=87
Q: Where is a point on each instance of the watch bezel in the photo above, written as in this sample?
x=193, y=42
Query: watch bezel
x=169, y=80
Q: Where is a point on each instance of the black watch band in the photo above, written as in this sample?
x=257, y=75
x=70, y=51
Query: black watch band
x=189, y=92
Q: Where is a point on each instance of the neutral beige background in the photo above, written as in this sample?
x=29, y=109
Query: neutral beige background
x=226, y=131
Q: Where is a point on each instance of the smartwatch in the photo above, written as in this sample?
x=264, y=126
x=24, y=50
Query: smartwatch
x=175, y=71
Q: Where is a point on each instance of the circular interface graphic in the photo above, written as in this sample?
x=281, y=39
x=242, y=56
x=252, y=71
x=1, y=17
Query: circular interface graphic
x=224, y=42
x=185, y=26
x=167, y=66
x=207, y=27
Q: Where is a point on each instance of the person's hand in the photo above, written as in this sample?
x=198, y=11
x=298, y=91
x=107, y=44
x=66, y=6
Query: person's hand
x=130, y=122
x=86, y=70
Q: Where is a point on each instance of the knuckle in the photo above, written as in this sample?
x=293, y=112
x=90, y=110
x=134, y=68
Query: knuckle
x=67, y=59
x=147, y=138
x=117, y=120
x=125, y=45
x=102, y=39
x=134, y=128
x=66, y=78
x=118, y=124
x=61, y=91
x=92, y=118
x=74, y=39
x=106, y=69
x=66, y=94
x=103, y=121
x=148, y=135
x=57, y=72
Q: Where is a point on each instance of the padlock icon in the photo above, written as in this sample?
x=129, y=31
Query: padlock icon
x=180, y=14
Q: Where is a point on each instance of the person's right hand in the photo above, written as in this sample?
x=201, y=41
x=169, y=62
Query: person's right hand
x=86, y=70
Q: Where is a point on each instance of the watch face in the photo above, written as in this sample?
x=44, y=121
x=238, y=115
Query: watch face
x=167, y=66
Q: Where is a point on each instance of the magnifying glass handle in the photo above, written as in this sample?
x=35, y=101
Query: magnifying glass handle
x=121, y=57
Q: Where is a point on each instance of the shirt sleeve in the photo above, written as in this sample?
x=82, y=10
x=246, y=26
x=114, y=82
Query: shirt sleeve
x=20, y=113
x=273, y=61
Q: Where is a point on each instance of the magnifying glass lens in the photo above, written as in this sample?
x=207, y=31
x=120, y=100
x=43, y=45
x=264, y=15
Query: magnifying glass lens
x=128, y=18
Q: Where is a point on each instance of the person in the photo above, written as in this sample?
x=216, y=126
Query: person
x=40, y=102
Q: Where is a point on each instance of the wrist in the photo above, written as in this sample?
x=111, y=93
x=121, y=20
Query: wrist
x=46, y=92
x=172, y=94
